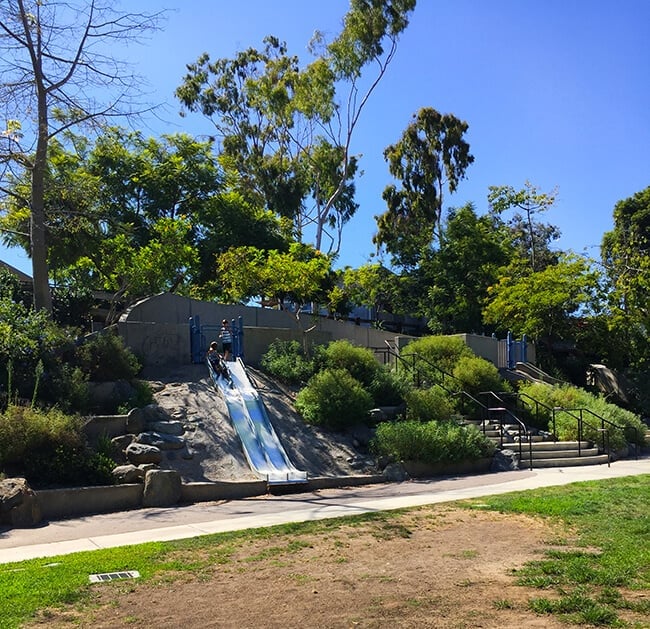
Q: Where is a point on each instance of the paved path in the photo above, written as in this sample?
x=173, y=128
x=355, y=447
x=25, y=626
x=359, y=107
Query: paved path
x=147, y=525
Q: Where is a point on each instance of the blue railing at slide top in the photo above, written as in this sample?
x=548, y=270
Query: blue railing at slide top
x=201, y=335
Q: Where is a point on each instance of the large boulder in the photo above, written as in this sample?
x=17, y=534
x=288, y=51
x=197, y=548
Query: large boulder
x=395, y=473
x=128, y=474
x=139, y=453
x=168, y=428
x=504, y=461
x=135, y=421
x=162, y=488
x=19, y=506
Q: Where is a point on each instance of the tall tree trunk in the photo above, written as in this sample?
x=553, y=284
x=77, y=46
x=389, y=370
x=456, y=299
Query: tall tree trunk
x=38, y=244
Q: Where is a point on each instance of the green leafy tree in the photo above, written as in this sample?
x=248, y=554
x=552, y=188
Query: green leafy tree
x=131, y=271
x=431, y=156
x=625, y=253
x=286, y=279
x=455, y=278
x=545, y=305
x=287, y=128
x=49, y=64
x=113, y=195
x=531, y=237
x=373, y=286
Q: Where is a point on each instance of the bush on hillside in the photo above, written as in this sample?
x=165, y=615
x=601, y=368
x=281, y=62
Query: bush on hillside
x=44, y=363
x=28, y=338
x=438, y=353
x=388, y=388
x=286, y=361
x=360, y=362
x=424, y=405
x=49, y=449
x=566, y=422
x=430, y=442
x=104, y=358
x=474, y=375
x=334, y=399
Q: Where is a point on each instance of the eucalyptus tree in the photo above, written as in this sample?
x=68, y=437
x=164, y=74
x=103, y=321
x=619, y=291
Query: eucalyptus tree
x=287, y=128
x=58, y=71
x=531, y=236
x=432, y=155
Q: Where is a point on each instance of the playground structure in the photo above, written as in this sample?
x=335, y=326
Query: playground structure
x=260, y=443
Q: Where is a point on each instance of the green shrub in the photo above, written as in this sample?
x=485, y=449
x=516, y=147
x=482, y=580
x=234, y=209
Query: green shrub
x=474, y=375
x=430, y=442
x=566, y=422
x=285, y=360
x=104, y=358
x=49, y=448
x=142, y=396
x=27, y=338
x=358, y=361
x=424, y=405
x=387, y=388
x=334, y=399
x=442, y=351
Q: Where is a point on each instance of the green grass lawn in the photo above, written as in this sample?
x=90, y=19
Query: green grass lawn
x=606, y=551
x=585, y=578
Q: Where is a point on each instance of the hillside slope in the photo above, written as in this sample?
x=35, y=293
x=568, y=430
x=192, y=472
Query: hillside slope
x=214, y=451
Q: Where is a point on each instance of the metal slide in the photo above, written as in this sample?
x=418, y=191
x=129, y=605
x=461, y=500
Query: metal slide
x=262, y=447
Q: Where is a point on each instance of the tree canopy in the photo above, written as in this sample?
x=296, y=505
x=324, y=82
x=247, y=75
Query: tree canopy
x=431, y=155
x=287, y=128
x=50, y=64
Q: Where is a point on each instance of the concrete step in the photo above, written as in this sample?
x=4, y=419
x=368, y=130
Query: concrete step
x=550, y=445
x=599, y=459
x=558, y=454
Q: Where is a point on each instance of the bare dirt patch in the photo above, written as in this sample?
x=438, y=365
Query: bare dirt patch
x=437, y=566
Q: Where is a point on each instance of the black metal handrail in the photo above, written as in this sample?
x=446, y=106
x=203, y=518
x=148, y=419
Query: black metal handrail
x=522, y=430
x=529, y=402
x=412, y=365
x=606, y=426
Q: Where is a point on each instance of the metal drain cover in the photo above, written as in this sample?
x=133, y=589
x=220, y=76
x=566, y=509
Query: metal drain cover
x=114, y=576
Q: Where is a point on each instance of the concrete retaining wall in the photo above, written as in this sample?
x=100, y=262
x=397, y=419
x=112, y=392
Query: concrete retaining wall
x=104, y=426
x=62, y=503
x=157, y=329
x=57, y=504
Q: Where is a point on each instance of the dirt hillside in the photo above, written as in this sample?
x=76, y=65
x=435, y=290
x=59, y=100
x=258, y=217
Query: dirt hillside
x=214, y=452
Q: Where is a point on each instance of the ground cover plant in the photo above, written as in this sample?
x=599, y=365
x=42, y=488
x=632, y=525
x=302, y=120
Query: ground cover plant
x=594, y=535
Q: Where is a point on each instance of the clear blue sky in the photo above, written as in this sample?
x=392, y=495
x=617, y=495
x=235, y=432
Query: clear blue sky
x=556, y=92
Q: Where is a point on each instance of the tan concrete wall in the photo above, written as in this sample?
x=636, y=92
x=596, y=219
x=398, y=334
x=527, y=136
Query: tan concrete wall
x=157, y=329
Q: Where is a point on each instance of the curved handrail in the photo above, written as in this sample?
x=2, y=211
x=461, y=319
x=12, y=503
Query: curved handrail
x=522, y=430
x=523, y=397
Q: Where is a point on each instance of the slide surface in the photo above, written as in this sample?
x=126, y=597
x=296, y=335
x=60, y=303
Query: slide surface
x=262, y=447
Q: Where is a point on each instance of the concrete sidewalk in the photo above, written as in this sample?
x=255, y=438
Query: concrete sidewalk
x=148, y=525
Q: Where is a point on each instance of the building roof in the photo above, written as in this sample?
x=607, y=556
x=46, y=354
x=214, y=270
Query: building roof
x=23, y=277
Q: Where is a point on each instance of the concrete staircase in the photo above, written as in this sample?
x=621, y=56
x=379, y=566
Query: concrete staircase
x=545, y=453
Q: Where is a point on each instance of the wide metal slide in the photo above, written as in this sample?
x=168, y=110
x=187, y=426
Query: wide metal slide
x=260, y=442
